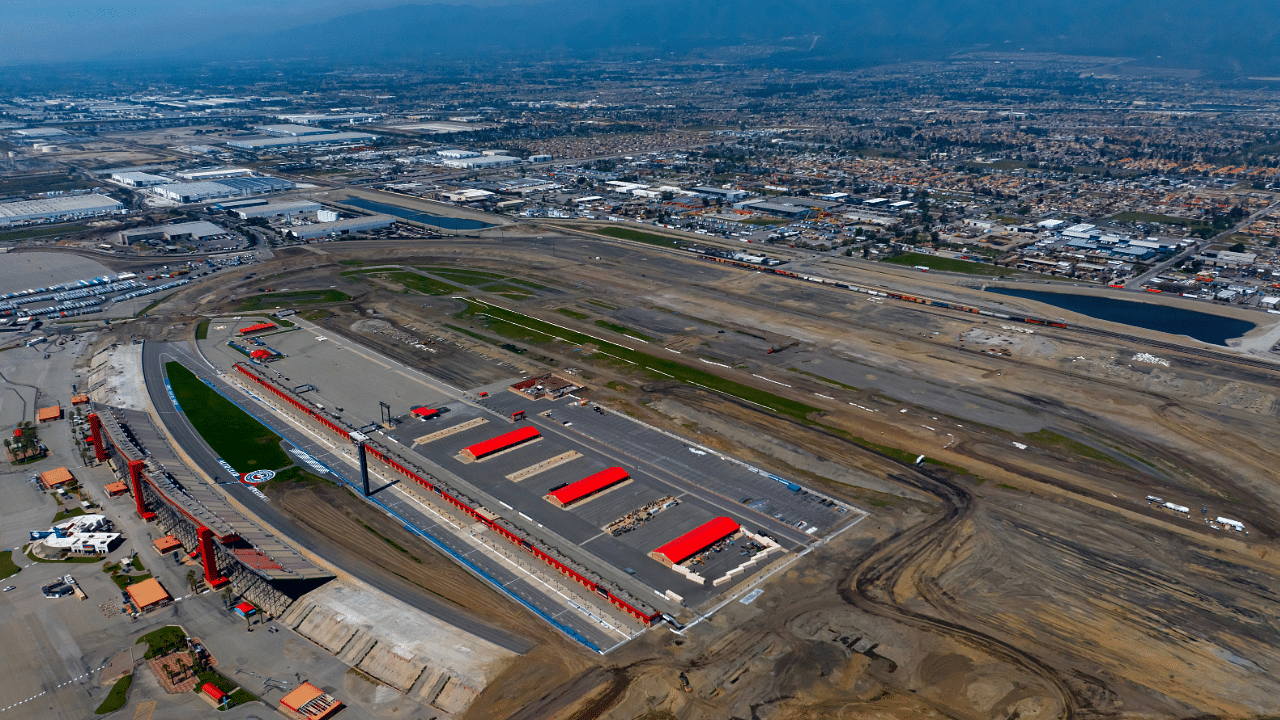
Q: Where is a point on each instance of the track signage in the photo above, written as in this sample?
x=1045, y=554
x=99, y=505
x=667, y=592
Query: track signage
x=258, y=476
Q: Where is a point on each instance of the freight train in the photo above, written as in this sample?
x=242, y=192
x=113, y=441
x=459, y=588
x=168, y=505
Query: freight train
x=875, y=292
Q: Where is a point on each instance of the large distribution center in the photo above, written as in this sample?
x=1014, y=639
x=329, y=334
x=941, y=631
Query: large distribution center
x=69, y=207
x=342, y=227
x=695, y=541
x=275, y=210
x=277, y=142
x=197, y=231
x=202, y=190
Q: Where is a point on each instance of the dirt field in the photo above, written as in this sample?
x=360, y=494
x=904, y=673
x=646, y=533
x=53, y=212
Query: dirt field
x=1018, y=572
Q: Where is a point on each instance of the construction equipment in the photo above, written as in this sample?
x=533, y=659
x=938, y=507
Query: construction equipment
x=684, y=680
x=780, y=348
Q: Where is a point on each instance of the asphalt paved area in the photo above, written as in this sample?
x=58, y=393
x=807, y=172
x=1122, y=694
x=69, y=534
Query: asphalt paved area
x=154, y=357
x=509, y=577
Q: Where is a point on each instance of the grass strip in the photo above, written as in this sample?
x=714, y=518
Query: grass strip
x=8, y=567
x=163, y=640
x=117, y=697
x=69, y=559
x=463, y=275
x=659, y=368
x=299, y=297
x=239, y=696
x=573, y=314
x=153, y=305
x=238, y=438
x=1049, y=438
x=623, y=330
x=124, y=581
x=636, y=235
x=505, y=288
x=202, y=330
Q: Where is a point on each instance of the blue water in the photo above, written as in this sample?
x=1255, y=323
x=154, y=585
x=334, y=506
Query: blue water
x=1202, y=326
x=448, y=223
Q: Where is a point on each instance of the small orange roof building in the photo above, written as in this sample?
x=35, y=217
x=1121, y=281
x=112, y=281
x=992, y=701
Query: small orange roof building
x=49, y=413
x=80, y=400
x=117, y=488
x=166, y=543
x=310, y=702
x=147, y=594
x=55, y=477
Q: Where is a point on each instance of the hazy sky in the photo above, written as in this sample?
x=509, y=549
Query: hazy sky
x=34, y=31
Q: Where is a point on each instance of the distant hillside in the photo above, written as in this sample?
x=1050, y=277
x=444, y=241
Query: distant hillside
x=1225, y=36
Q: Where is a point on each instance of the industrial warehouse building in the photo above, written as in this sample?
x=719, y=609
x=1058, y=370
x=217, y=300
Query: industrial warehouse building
x=138, y=179
x=270, y=143
x=293, y=130
x=210, y=174
x=194, y=192
x=199, y=231
x=68, y=207
x=486, y=161
x=202, y=190
x=341, y=227
x=277, y=210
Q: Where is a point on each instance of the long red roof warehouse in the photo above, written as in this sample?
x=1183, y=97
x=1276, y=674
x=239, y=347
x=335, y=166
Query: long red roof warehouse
x=590, y=485
x=697, y=540
x=502, y=442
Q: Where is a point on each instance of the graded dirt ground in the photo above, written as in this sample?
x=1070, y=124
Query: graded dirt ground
x=1019, y=572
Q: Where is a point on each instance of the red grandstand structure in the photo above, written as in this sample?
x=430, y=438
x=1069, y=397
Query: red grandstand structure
x=695, y=541
x=588, y=486
x=506, y=441
x=635, y=607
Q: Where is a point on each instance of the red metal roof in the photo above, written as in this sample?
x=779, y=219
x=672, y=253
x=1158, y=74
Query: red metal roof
x=258, y=328
x=589, y=485
x=212, y=691
x=259, y=354
x=502, y=442
x=425, y=411
x=698, y=539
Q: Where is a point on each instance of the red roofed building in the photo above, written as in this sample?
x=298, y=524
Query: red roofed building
x=588, y=486
x=215, y=694
x=425, y=412
x=260, y=327
x=310, y=702
x=695, y=541
x=502, y=442
x=260, y=354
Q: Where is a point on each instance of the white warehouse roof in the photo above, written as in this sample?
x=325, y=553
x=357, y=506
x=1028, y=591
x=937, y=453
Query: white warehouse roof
x=342, y=227
x=57, y=208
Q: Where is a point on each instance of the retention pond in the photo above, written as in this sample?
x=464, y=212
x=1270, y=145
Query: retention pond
x=1203, y=326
